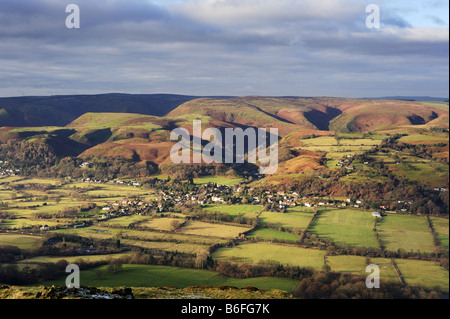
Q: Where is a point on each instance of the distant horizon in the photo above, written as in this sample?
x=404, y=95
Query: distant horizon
x=399, y=97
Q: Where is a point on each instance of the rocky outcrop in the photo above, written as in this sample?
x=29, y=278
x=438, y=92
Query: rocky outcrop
x=83, y=293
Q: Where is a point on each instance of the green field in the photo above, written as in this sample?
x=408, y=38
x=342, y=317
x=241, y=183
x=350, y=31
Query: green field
x=349, y=135
x=108, y=233
x=321, y=141
x=441, y=228
x=73, y=259
x=337, y=155
x=360, y=142
x=125, y=221
x=20, y=223
x=28, y=209
x=348, y=144
x=423, y=273
x=165, y=223
x=219, y=180
x=22, y=241
x=410, y=233
x=424, y=139
x=249, y=211
x=357, y=265
x=266, y=234
x=161, y=276
x=431, y=174
x=290, y=220
x=346, y=226
x=212, y=230
x=347, y=149
x=51, y=181
x=110, y=190
x=186, y=248
x=332, y=163
x=262, y=253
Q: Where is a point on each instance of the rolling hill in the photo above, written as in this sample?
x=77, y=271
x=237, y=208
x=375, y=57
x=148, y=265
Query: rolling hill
x=321, y=114
x=61, y=110
x=137, y=127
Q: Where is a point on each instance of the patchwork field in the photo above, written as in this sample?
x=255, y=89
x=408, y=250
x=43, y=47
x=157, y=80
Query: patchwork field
x=171, y=231
x=266, y=234
x=357, y=265
x=424, y=139
x=267, y=253
x=187, y=248
x=292, y=219
x=20, y=223
x=22, y=241
x=410, y=233
x=423, y=273
x=219, y=180
x=341, y=145
x=346, y=226
x=167, y=224
x=430, y=173
x=73, y=259
x=212, y=230
x=249, y=211
x=441, y=228
x=108, y=233
x=125, y=221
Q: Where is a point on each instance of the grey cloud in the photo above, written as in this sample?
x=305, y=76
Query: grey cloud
x=136, y=46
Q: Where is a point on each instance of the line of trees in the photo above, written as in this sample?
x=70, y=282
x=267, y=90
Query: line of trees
x=331, y=285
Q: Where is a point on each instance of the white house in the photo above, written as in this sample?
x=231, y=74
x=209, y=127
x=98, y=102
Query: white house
x=376, y=214
x=216, y=199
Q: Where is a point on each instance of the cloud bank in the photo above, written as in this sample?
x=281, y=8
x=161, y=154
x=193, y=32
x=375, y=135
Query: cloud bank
x=223, y=47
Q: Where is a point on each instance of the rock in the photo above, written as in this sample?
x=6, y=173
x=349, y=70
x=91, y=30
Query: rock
x=83, y=293
x=227, y=288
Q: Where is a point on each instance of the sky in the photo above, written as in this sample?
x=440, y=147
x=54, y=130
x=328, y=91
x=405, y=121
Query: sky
x=225, y=47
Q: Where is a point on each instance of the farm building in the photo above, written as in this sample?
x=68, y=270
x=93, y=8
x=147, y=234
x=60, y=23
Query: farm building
x=376, y=214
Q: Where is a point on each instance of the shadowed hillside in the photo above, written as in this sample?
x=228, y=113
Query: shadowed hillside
x=61, y=110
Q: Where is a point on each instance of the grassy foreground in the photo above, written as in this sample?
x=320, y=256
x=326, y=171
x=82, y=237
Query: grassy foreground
x=162, y=276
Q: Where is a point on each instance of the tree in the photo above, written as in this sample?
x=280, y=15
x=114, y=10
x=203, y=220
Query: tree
x=115, y=265
x=202, y=259
x=175, y=224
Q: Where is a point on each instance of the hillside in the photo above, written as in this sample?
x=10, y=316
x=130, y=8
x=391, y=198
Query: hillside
x=61, y=110
x=384, y=114
x=137, y=127
x=323, y=114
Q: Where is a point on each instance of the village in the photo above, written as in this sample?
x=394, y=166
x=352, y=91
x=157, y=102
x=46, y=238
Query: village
x=172, y=196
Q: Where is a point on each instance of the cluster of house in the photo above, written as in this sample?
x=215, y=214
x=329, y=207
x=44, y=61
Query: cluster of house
x=104, y=181
x=6, y=171
x=216, y=194
x=126, y=207
x=345, y=162
x=205, y=195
